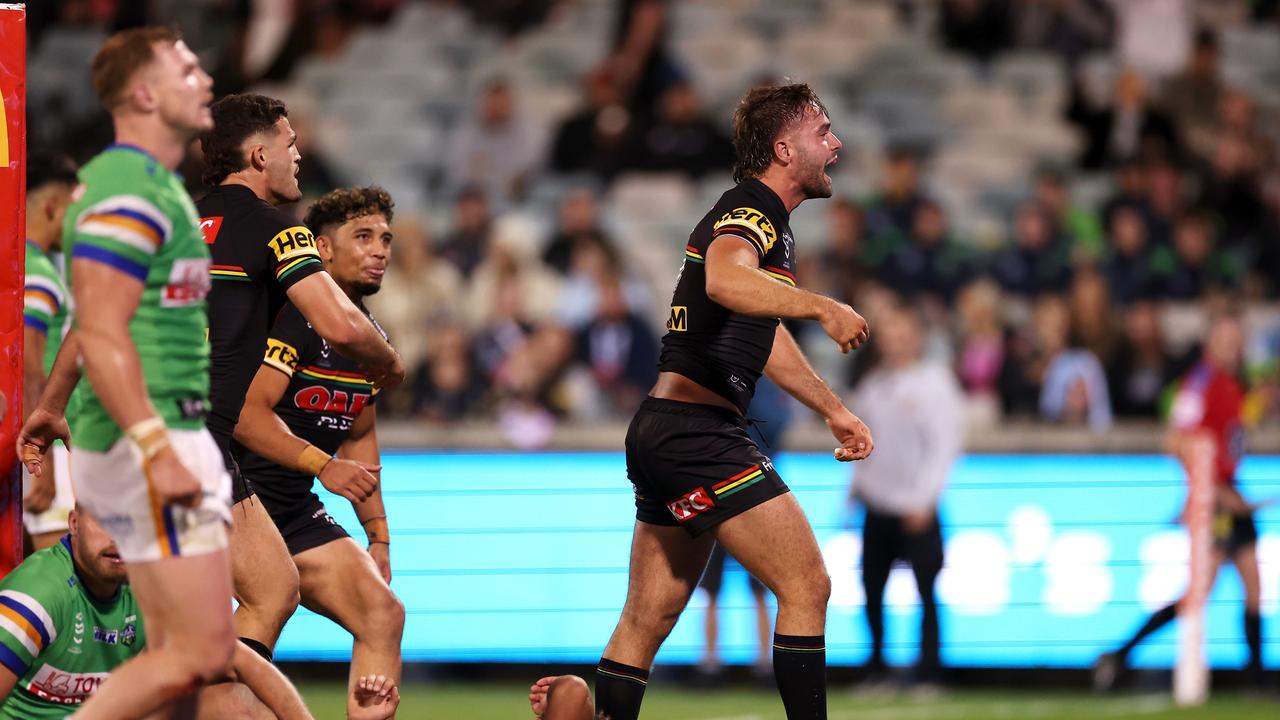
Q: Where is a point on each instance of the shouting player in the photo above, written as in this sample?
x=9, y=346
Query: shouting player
x=50, y=180
x=262, y=257
x=697, y=474
x=1210, y=400
x=307, y=403
x=68, y=618
x=145, y=466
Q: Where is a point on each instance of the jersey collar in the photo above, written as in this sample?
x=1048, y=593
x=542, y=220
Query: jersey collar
x=756, y=186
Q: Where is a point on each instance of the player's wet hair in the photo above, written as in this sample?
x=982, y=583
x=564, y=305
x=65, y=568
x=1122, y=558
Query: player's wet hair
x=47, y=167
x=761, y=115
x=235, y=119
x=120, y=58
x=343, y=204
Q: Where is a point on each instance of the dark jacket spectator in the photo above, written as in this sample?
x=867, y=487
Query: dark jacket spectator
x=1126, y=129
x=977, y=28
x=1037, y=262
x=681, y=139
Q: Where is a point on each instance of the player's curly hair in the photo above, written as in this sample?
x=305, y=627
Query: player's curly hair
x=764, y=112
x=235, y=118
x=343, y=204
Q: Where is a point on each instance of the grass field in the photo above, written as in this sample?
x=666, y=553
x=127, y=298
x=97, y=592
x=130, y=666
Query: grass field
x=506, y=701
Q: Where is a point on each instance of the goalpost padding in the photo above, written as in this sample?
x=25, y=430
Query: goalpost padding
x=1191, y=673
x=13, y=180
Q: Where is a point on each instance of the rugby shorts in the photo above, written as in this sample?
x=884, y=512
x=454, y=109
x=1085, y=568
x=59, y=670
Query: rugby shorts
x=695, y=466
x=55, y=518
x=1233, y=532
x=114, y=486
x=304, y=525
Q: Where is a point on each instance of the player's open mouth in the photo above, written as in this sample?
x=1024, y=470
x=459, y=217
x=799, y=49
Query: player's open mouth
x=113, y=557
x=376, y=272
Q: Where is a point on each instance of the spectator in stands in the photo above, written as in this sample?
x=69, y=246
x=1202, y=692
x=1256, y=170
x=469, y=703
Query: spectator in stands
x=464, y=246
x=1070, y=29
x=891, y=212
x=1092, y=315
x=1143, y=367
x=1164, y=201
x=316, y=175
x=419, y=290
x=578, y=224
x=1191, y=97
x=681, y=138
x=446, y=386
x=1131, y=191
x=1153, y=36
x=1077, y=224
x=499, y=149
x=1232, y=191
x=1128, y=265
x=1037, y=262
x=1028, y=351
x=640, y=61
x=511, y=283
x=594, y=140
x=844, y=265
x=929, y=267
x=1197, y=268
x=1128, y=128
x=619, y=349
x=919, y=410
x=980, y=347
x=978, y=28
x=1075, y=391
x=1239, y=114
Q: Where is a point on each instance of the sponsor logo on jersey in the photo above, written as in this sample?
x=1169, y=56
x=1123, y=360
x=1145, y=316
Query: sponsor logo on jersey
x=107, y=637
x=292, y=243
x=318, y=398
x=189, y=283
x=679, y=320
x=129, y=634
x=282, y=355
x=209, y=228
x=691, y=505
x=65, y=688
x=754, y=220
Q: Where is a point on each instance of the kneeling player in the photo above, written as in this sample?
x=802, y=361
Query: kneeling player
x=68, y=618
x=307, y=403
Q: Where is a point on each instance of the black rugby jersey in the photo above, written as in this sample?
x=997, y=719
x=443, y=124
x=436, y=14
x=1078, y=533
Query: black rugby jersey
x=258, y=253
x=326, y=394
x=717, y=348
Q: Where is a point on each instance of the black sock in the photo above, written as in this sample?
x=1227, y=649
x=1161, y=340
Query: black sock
x=1159, y=619
x=800, y=667
x=619, y=690
x=257, y=647
x=1253, y=635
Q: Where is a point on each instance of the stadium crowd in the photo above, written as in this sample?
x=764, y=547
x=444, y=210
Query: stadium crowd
x=1079, y=305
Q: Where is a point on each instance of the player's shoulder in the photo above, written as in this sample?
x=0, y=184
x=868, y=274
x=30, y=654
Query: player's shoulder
x=41, y=585
x=749, y=209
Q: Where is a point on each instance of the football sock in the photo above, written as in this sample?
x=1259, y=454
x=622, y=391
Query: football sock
x=800, y=667
x=257, y=647
x=619, y=690
x=1158, y=619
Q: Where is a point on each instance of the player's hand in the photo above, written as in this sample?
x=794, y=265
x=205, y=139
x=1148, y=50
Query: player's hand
x=844, y=325
x=538, y=695
x=375, y=697
x=390, y=375
x=381, y=554
x=40, y=497
x=37, y=435
x=852, y=434
x=351, y=479
x=173, y=482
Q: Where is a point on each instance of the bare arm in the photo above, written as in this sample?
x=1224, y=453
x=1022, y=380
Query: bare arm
x=261, y=430
x=735, y=281
x=269, y=685
x=33, y=377
x=362, y=447
x=788, y=367
x=46, y=421
x=339, y=321
x=7, y=682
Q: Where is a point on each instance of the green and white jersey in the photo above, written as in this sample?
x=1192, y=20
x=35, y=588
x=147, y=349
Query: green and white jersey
x=60, y=641
x=44, y=302
x=133, y=214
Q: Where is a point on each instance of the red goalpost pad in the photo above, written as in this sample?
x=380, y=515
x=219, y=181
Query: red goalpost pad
x=13, y=178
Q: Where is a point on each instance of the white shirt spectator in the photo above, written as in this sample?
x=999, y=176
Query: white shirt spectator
x=916, y=415
x=1154, y=35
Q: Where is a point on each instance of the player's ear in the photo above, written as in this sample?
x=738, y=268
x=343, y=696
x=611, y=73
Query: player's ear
x=324, y=246
x=258, y=156
x=782, y=151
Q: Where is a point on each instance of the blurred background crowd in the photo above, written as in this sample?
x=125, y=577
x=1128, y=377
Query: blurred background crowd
x=1067, y=189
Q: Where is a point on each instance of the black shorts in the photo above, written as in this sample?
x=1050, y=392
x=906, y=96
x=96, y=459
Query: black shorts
x=305, y=525
x=1232, y=533
x=241, y=488
x=695, y=466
